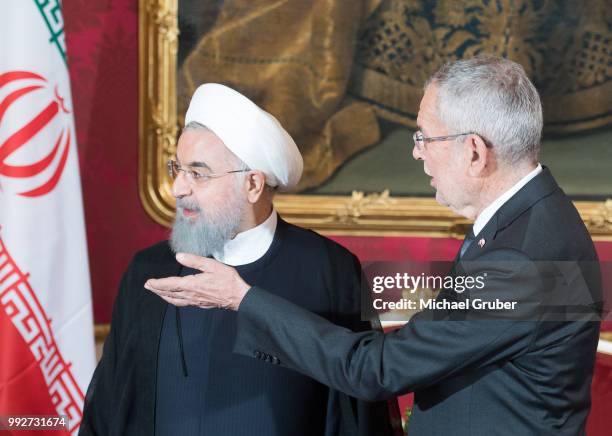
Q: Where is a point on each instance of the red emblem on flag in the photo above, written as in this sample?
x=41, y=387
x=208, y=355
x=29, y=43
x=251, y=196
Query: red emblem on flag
x=19, y=84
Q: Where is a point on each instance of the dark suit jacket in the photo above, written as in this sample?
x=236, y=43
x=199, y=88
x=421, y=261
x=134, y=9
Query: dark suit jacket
x=473, y=373
x=121, y=397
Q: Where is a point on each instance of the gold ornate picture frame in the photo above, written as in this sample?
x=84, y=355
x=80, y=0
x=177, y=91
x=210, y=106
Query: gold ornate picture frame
x=358, y=214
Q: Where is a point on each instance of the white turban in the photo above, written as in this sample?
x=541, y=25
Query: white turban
x=249, y=132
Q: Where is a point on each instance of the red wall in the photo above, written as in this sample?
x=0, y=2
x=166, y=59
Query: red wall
x=102, y=41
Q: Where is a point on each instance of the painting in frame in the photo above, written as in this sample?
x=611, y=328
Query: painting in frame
x=370, y=95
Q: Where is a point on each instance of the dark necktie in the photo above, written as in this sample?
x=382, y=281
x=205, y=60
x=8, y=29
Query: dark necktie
x=469, y=238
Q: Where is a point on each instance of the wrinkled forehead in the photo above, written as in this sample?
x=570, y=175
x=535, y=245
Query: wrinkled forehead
x=196, y=147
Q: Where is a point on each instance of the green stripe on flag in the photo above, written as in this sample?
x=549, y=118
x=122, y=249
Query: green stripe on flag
x=51, y=11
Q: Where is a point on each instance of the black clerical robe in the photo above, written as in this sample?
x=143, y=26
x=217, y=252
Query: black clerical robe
x=138, y=383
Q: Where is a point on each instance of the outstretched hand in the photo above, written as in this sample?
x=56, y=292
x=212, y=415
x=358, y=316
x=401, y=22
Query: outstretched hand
x=216, y=286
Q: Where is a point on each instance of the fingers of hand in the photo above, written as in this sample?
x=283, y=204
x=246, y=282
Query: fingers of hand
x=193, y=261
x=212, y=288
x=166, y=284
x=186, y=291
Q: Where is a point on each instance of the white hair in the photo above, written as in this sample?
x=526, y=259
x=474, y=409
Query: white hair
x=494, y=98
x=194, y=125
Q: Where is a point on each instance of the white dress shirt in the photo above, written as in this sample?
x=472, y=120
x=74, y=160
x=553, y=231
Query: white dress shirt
x=250, y=245
x=490, y=210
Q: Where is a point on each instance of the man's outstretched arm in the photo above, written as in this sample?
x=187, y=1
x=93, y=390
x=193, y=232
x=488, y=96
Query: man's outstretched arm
x=371, y=365
x=367, y=365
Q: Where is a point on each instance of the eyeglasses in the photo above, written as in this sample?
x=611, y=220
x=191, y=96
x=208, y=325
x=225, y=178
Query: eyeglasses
x=194, y=176
x=420, y=140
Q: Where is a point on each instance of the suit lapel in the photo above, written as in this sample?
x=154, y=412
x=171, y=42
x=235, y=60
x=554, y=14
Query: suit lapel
x=539, y=187
x=486, y=235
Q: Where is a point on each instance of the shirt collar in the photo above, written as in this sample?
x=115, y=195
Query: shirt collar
x=490, y=210
x=250, y=245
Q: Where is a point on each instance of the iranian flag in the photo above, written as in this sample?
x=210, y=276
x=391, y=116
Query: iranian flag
x=46, y=329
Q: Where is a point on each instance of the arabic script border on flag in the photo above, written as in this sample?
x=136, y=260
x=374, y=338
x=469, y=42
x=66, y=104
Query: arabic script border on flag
x=20, y=303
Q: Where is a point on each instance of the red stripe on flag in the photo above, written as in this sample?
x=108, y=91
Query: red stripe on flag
x=23, y=390
x=19, y=303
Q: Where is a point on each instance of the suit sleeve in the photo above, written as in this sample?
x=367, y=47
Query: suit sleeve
x=97, y=409
x=372, y=365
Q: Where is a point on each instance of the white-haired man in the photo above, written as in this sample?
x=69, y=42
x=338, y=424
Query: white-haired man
x=171, y=371
x=474, y=372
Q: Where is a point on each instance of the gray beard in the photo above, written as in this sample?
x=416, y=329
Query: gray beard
x=209, y=232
